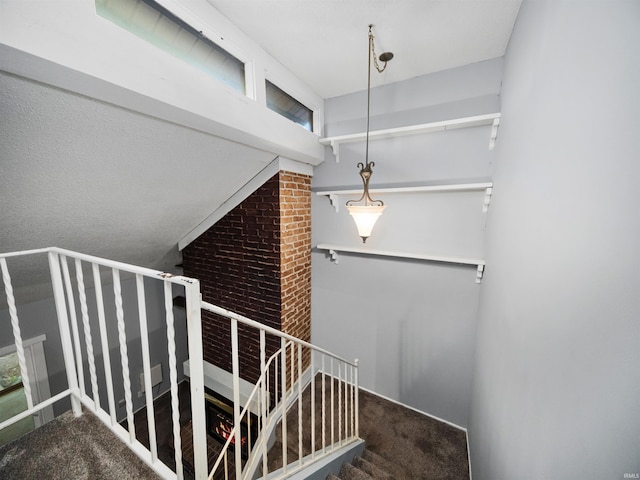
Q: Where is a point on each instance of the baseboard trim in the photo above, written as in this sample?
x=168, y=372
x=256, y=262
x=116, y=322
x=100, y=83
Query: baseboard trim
x=469, y=457
x=416, y=410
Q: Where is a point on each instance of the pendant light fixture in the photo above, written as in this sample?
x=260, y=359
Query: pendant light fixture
x=366, y=214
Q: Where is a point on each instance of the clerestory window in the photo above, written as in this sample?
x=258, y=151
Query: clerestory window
x=158, y=26
x=281, y=102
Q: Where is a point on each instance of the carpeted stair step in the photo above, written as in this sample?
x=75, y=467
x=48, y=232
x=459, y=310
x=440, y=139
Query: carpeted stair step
x=349, y=472
x=364, y=469
x=371, y=469
x=393, y=469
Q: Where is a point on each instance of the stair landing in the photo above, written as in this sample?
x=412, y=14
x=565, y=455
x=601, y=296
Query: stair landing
x=404, y=444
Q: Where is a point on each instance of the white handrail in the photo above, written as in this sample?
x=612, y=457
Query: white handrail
x=283, y=375
x=270, y=330
x=70, y=297
x=244, y=411
x=296, y=372
x=35, y=409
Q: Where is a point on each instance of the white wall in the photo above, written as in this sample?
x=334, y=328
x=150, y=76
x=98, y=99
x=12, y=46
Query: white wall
x=463, y=92
x=67, y=45
x=411, y=324
x=557, y=382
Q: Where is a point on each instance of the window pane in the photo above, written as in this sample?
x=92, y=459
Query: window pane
x=12, y=400
x=287, y=106
x=153, y=23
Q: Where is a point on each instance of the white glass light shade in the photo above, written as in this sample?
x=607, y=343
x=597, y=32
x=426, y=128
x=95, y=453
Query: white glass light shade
x=365, y=217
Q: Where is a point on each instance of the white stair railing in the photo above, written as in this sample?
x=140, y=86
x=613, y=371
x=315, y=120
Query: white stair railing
x=85, y=343
x=291, y=378
x=297, y=383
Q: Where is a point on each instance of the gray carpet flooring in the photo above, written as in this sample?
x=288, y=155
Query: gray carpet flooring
x=420, y=447
x=71, y=448
x=414, y=446
x=411, y=445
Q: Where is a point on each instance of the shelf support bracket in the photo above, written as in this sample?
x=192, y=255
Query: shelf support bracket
x=487, y=199
x=494, y=133
x=334, y=256
x=335, y=148
x=479, y=273
x=335, y=201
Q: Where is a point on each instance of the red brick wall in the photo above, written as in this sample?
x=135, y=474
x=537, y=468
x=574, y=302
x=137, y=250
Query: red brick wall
x=295, y=254
x=256, y=261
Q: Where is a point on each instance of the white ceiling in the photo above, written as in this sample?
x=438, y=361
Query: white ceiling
x=324, y=42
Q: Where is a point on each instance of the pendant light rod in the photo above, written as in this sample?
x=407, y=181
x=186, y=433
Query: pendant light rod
x=366, y=169
x=370, y=49
x=384, y=57
x=366, y=215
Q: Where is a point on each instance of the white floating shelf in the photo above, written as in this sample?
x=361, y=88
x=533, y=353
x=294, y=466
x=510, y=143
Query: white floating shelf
x=334, y=249
x=479, y=120
x=462, y=187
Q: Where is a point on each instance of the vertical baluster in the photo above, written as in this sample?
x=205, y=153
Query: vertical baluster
x=283, y=402
x=65, y=334
x=292, y=369
x=235, y=368
x=124, y=356
x=263, y=398
x=357, y=400
x=324, y=406
x=347, y=399
x=105, y=342
x=17, y=336
x=275, y=380
x=248, y=420
x=82, y=295
x=339, y=402
x=333, y=421
x=300, y=404
x=351, y=400
x=313, y=406
x=268, y=381
x=146, y=365
x=346, y=402
x=74, y=322
x=173, y=376
x=196, y=382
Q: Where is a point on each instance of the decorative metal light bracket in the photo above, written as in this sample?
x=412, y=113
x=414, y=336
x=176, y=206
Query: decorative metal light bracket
x=365, y=174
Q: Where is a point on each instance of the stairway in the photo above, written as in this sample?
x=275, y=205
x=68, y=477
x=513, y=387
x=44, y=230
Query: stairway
x=369, y=466
x=401, y=444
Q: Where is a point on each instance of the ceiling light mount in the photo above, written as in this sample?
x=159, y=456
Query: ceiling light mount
x=365, y=215
x=385, y=57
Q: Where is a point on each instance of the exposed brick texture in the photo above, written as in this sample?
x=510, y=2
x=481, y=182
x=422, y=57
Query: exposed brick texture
x=295, y=254
x=256, y=261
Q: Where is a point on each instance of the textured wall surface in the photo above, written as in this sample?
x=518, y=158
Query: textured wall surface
x=81, y=174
